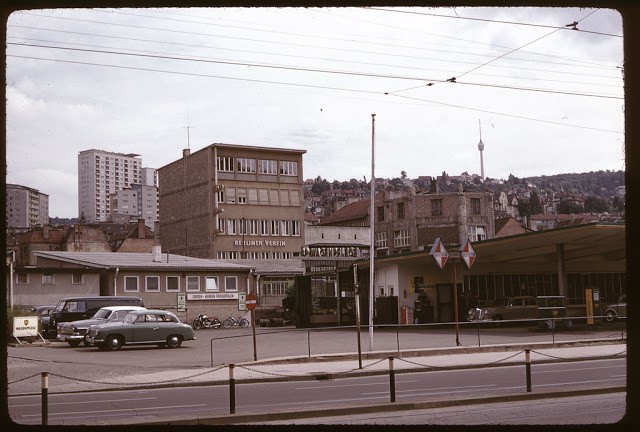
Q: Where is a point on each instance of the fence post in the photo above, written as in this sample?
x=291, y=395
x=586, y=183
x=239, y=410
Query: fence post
x=478, y=325
x=398, y=337
x=392, y=380
x=309, y=342
x=527, y=360
x=232, y=389
x=45, y=394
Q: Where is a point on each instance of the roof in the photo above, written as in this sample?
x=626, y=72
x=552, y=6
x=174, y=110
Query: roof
x=130, y=260
x=355, y=210
x=273, y=266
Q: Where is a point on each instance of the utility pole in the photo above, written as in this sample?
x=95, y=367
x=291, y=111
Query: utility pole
x=372, y=234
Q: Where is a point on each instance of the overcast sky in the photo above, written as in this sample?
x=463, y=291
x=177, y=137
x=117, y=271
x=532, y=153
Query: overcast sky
x=547, y=99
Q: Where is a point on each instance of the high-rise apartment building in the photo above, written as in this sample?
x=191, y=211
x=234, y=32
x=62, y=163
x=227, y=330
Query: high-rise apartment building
x=233, y=202
x=138, y=202
x=100, y=174
x=26, y=207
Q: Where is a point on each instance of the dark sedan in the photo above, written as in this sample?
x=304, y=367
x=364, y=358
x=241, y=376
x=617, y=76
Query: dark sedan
x=146, y=327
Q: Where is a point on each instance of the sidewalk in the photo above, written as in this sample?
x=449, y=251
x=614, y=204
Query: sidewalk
x=332, y=366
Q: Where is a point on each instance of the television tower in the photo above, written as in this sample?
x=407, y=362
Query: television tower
x=481, y=148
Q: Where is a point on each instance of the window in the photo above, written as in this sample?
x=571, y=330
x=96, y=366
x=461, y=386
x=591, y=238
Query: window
x=253, y=226
x=285, y=228
x=401, y=238
x=274, y=198
x=436, y=207
x=294, y=197
x=231, y=283
x=47, y=279
x=173, y=283
x=380, y=213
x=263, y=196
x=22, y=278
x=152, y=283
x=476, y=233
x=222, y=224
x=231, y=227
x=264, y=227
x=131, y=283
x=475, y=205
x=242, y=195
x=267, y=167
x=245, y=165
x=193, y=283
x=76, y=278
x=252, y=196
x=220, y=196
x=231, y=195
x=274, y=288
x=400, y=210
x=289, y=168
x=295, y=228
x=225, y=163
x=284, y=197
x=211, y=283
x=381, y=240
x=275, y=228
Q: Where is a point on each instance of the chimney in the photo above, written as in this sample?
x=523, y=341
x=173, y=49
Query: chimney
x=141, y=229
x=157, y=253
x=186, y=152
x=156, y=249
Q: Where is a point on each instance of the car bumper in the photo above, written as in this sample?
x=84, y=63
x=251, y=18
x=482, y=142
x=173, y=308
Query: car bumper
x=93, y=341
x=66, y=338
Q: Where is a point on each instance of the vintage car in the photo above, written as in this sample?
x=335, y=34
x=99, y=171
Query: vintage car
x=144, y=327
x=44, y=315
x=506, y=308
x=74, y=332
x=614, y=311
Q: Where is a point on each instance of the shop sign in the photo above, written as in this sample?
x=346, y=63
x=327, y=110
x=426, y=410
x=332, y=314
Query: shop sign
x=331, y=252
x=213, y=296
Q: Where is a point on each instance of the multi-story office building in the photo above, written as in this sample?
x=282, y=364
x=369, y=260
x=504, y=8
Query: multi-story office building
x=233, y=202
x=26, y=207
x=137, y=202
x=101, y=174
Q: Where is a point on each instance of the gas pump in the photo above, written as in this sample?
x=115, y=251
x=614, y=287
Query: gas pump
x=592, y=298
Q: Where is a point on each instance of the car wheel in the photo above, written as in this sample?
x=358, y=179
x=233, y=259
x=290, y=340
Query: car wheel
x=114, y=343
x=174, y=341
x=74, y=343
x=227, y=323
x=609, y=316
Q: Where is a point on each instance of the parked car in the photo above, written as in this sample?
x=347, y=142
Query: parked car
x=143, y=327
x=74, y=332
x=506, y=308
x=44, y=314
x=616, y=310
x=79, y=308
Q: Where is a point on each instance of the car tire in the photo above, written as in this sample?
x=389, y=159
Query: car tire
x=114, y=343
x=609, y=316
x=174, y=341
x=74, y=343
x=227, y=323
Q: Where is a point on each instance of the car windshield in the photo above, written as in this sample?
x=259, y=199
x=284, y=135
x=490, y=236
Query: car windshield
x=102, y=314
x=60, y=305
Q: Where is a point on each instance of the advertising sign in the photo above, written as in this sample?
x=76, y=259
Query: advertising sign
x=25, y=326
x=213, y=296
x=182, y=302
x=242, y=301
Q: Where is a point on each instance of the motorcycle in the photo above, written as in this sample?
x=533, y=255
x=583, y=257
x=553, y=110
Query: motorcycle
x=202, y=321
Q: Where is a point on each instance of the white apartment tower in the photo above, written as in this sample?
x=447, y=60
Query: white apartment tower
x=100, y=174
x=26, y=207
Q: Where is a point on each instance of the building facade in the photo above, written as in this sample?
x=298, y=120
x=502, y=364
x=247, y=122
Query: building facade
x=407, y=222
x=233, y=202
x=138, y=202
x=101, y=174
x=26, y=207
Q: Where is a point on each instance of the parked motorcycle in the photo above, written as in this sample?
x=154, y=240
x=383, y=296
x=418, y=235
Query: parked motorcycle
x=232, y=322
x=202, y=321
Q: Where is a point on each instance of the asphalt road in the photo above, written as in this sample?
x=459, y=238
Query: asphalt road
x=284, y=396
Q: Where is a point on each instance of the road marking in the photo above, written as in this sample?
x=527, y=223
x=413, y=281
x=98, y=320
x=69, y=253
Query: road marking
x=111, y=410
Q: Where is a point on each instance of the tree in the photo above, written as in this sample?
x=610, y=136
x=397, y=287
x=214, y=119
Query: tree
x=403, y=174
x=534, y=203
x=569, y=207
x=524, y=207
x=618, y=204
x=595, y=205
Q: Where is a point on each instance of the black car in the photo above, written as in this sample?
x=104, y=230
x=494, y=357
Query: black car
x=44, y=315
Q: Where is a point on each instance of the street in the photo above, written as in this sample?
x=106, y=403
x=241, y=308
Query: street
x=282, y=396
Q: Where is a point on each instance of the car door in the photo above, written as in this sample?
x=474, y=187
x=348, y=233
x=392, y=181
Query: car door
x=166, y=326
x=146, y=329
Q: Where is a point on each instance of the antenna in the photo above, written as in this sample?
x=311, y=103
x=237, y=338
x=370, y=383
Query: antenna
x=188, y=137
x=481, y=148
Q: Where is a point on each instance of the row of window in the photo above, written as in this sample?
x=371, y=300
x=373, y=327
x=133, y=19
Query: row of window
x=152, y=283
x=254, y=255
x=401, y=238
x=436, y=209
x=259, y=227
x=260, y=166
x=259, y=196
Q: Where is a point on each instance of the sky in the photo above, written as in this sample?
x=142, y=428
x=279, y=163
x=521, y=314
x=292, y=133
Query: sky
x=545, y=96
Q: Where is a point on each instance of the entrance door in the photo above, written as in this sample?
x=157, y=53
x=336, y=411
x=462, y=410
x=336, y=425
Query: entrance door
x=445, y=302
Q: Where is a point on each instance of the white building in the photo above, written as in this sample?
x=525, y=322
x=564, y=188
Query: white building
x=137, y=202
x=26, y=207
x=100, y=174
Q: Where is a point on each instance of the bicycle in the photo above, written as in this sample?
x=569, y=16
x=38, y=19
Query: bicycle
x=235, y=322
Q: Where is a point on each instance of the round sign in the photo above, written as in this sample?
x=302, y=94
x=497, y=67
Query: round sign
x=251, y=301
